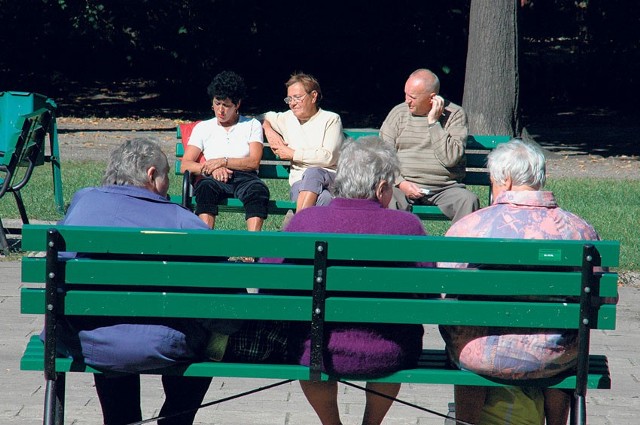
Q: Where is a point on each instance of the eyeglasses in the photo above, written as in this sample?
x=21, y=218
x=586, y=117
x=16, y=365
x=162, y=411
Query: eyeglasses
x=294, y=99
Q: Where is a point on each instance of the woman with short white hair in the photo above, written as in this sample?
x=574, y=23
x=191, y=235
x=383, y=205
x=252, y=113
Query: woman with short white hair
x=521, y=209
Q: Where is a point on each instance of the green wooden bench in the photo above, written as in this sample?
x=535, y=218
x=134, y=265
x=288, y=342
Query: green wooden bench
x=14, y=105
x=273, y=168
x=19, y=158
x=150, y=281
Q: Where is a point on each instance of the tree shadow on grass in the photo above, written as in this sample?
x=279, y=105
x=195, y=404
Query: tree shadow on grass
x=594, y=131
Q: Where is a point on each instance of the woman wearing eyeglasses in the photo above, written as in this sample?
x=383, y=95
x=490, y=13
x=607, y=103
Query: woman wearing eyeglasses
x=232, y=147
x=309, y=137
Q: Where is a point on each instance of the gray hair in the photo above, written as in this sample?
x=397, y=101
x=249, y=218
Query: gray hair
x=523, y=162
x=362, y=164
x=129, y=162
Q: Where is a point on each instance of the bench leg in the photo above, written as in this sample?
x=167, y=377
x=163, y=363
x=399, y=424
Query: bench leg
x=21, y=209
x=4, y=243
x=578, y=410
x=54, y=401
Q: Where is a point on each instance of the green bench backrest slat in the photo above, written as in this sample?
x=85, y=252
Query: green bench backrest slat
x=174, y=274
x=170, y=304
x=455, y=312
x=300, y=277
x=356, y=133
x=339, y=309
x=478, y=146
x=273, y=172
x=301, y=245
x=434, y=281
x=271, y=167
x=485, y=142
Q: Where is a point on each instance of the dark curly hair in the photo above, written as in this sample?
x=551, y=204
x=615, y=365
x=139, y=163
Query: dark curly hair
x=227, y=84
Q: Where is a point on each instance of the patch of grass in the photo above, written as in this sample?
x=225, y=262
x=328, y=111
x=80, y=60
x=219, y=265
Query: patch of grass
x=38, y=194
x=611, y=206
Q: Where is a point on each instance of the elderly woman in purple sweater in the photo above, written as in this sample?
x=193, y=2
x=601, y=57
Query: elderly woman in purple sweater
x=363, y=187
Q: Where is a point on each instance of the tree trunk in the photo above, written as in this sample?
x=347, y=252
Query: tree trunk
x=491, y=85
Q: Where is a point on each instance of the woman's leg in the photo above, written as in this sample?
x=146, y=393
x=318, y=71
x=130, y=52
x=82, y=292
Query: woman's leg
x=557, y=404
x=306, y=199
x=119, y=398
x=254, y=224
x=209, y=219
x=306, y=191
x=377, y=407
x=469, y=402
x=182, y=395
x=209, y=193
x=323, y=397
x=254, y=195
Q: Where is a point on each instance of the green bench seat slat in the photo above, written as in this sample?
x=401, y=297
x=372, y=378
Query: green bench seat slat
x=432, y=367
x=301, y=245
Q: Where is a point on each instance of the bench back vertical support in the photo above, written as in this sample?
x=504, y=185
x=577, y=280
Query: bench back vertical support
x=590, y=259
x=54, y=392
x=317, y=313
x=186, y=191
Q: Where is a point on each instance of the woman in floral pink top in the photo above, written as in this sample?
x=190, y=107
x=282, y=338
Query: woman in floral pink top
x=520, y=210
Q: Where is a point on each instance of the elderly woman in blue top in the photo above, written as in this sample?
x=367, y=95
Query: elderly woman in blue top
x=232, y=147
x=134, y=194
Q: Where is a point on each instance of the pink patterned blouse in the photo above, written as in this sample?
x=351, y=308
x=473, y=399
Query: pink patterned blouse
x=510, y=353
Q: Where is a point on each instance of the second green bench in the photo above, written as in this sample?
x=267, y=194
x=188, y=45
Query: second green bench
x=275, y=169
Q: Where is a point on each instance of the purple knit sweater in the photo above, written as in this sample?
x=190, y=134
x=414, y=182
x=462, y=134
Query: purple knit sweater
x=366, y=350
